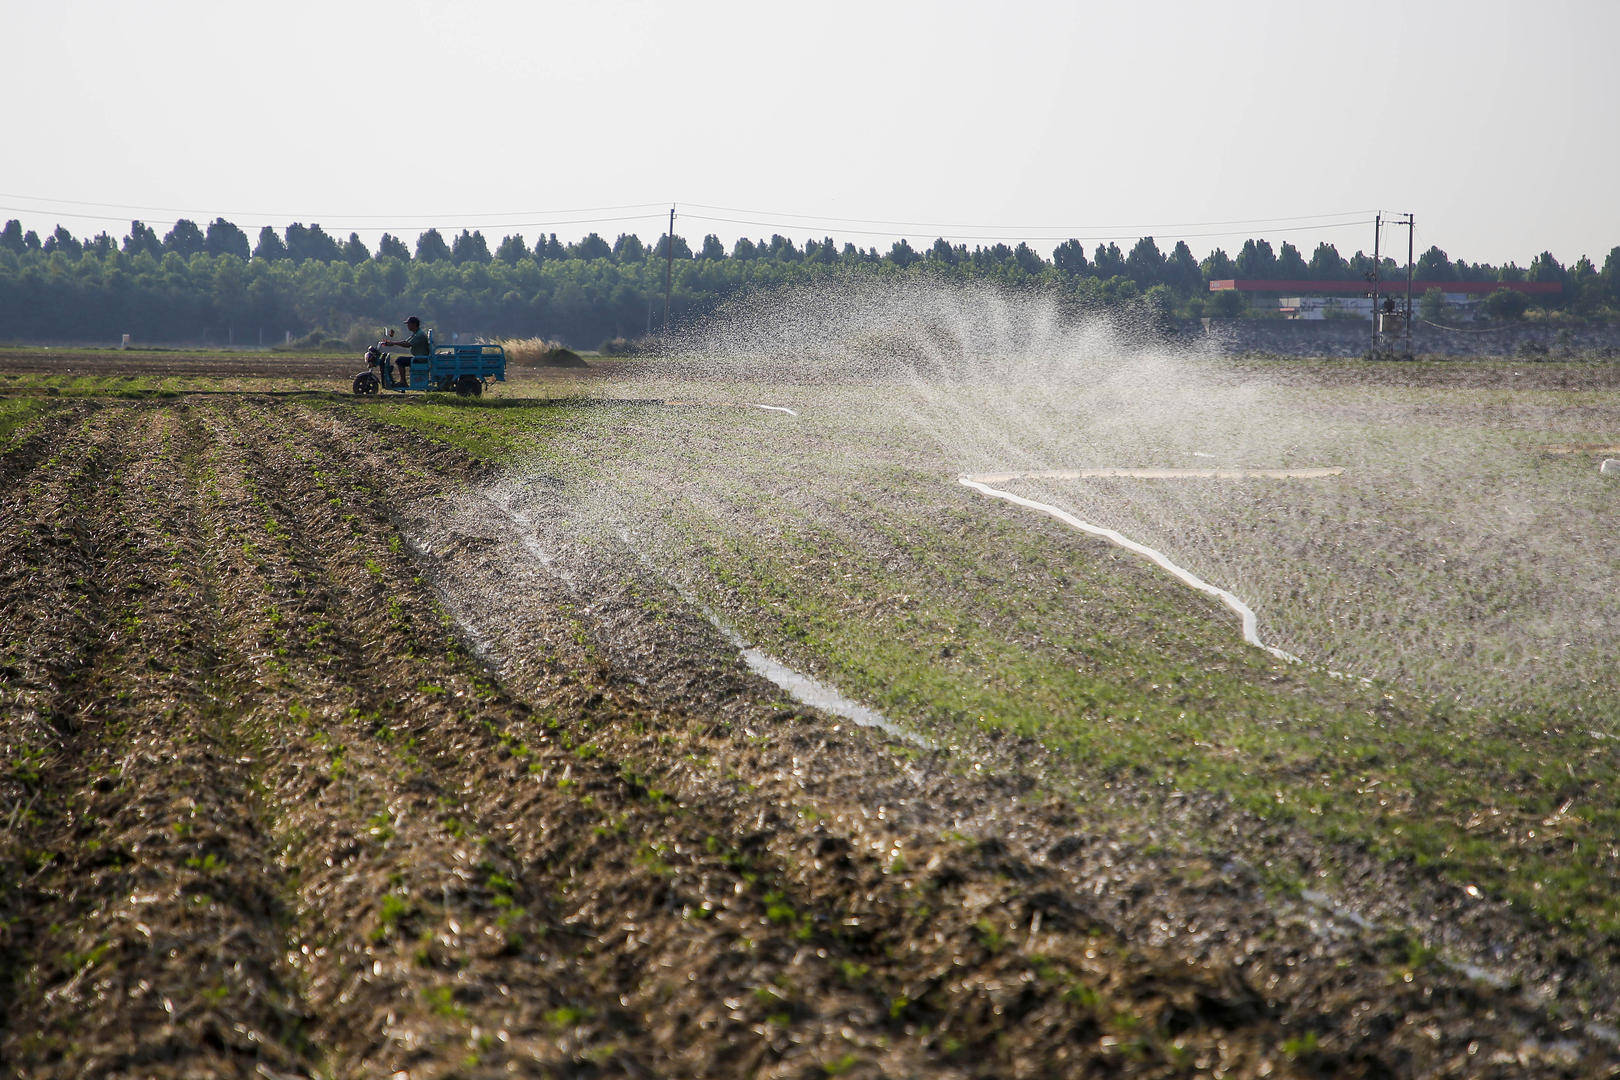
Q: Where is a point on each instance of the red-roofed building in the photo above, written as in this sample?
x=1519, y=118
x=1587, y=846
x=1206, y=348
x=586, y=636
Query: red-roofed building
x=1388, y=288
x=1316, y=299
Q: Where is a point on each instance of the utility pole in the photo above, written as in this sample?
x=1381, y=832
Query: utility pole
x=669, y=266
x=1410, y=231
x=1378, y=231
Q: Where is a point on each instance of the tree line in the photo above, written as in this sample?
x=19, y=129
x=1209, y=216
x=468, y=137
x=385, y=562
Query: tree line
x=212, y=284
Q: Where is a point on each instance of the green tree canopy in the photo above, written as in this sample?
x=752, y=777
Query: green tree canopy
x=1070, y=257
x=1290, y=264
x=824, y=253
x=549, y=248
x=223, y=238
x=1145, y=264
x=1546, y=268
x=1218, y=266
x=1028, y=259
x=1434, y=265
x=1181, y=271
x=512, y=249
x=1506, y=304
x=270, y=247
x=470, y=247
x=354, y=250
x=1610, y=275
x=1226, y=304
x=52, y=291
x=1327, y=264
x=392, y=247
x=1108, y=261
x=141, y=239
x=430, y=247
x=1256, y=260
x=682, y=249
x=782, y=249
x=628, y=248
x=1586, y=292
x=1361, y=265
x=311, y=242
x=185, y=239
x=1160, y=304
x=993, y=258
x=65, y=242
x=592, y=247
x=1432, y=305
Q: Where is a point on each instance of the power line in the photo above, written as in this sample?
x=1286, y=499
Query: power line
x=550, y=223
x=192, y=214
x=543, y=220
x=769, y=218
x=979, y=229
x=1005, y=236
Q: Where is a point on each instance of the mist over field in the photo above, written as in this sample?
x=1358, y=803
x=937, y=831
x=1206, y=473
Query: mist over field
x=687, y=714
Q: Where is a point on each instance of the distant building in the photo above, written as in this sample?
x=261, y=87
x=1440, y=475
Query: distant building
x=1353, y=299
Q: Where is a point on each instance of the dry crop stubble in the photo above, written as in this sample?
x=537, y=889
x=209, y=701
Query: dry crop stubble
x=161, y=945
x=599, y=570
x=783, y=870
x=801, y=543
x=585, y=841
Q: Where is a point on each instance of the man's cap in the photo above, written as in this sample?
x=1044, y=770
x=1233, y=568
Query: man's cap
x=412, y=319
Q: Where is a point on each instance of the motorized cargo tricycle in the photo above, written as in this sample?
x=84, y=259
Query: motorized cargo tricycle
x=461, y=369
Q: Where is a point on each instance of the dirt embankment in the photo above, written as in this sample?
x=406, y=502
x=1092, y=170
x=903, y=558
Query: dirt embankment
x=266, y=813
x=136, y=364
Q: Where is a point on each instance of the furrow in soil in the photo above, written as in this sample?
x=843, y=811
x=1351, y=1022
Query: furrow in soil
x=154, y=942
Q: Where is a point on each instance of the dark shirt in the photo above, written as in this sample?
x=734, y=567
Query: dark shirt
x=418, y=343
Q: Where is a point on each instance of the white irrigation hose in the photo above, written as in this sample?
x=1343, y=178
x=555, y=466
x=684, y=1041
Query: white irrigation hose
x=731, y=405
x=1161, y=474
x=1244, y=612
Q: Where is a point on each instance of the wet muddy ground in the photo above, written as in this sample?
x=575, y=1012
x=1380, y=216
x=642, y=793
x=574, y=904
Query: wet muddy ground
x=317, y=760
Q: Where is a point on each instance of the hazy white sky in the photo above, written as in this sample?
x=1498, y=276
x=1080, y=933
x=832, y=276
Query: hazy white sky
x=1497, y=123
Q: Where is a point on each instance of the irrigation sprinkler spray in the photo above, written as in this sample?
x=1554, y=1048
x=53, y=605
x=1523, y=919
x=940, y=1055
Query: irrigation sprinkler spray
x=1483, y=587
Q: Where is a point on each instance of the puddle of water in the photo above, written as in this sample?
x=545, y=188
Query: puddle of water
x=1322, y=900
x=1494, y=979
x=482, y=646
x=817, y=694
x=805, y=689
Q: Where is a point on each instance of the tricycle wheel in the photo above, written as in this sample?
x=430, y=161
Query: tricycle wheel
x=469, y=386
x=365, y=383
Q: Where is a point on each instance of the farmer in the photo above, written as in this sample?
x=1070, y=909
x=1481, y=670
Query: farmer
x=417, y=343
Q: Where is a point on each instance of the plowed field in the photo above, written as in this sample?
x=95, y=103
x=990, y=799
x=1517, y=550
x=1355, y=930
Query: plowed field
x=275, y=805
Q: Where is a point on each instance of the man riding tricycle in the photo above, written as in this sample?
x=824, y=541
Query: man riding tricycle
x=464, y=369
